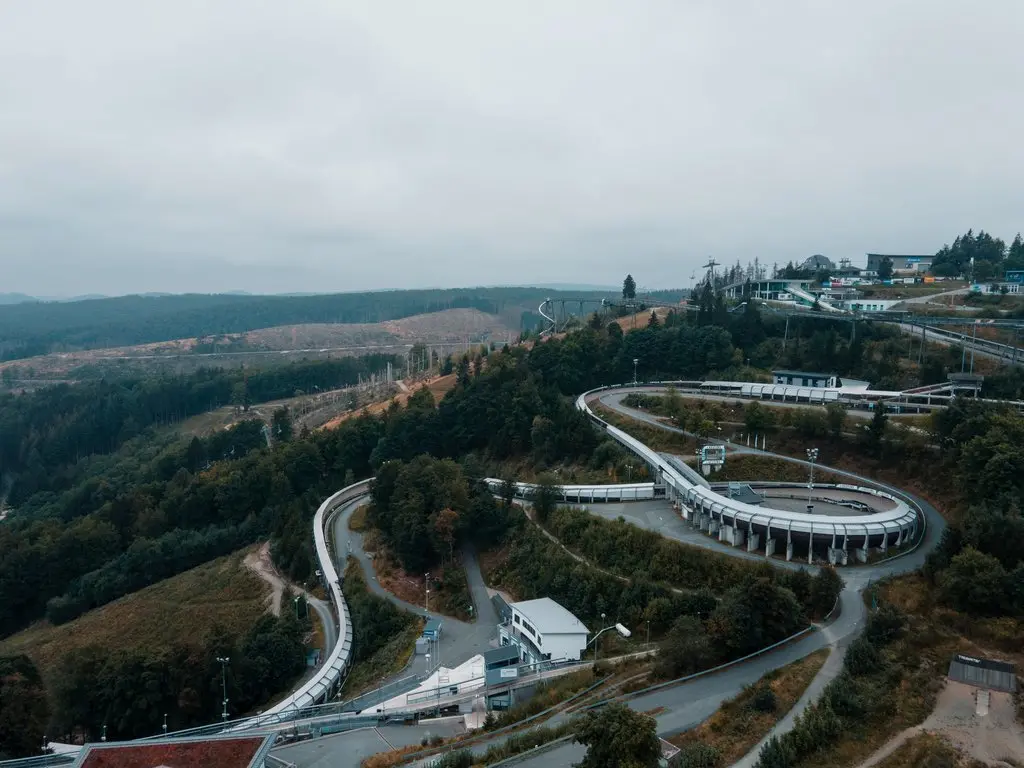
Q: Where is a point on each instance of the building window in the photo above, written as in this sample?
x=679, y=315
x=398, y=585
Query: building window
x=515, y=618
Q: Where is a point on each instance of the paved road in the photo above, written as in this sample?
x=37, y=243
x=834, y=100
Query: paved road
x=460, y=640
x=931, y=298
x=350, y=748
x=972, y=348
x=323, y=610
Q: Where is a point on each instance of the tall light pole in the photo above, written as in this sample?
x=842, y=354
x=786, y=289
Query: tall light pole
x=224, y=684
x=617, y=627
x=426, y=586
x=812, y=456
x=635, y=361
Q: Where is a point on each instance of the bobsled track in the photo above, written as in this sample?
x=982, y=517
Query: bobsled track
x=741, y=529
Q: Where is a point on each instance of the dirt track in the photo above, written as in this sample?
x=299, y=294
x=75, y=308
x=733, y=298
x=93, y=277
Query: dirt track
x=992, y=738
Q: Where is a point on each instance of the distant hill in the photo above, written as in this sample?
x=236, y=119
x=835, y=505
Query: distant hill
x=30, y=329
x=15, y=298
x=584, y=287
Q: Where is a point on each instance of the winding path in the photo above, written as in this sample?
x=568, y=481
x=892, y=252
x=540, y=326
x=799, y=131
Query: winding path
x=460, y=640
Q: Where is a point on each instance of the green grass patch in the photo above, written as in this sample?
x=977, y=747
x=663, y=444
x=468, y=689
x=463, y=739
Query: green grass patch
x=741, y=722
x=175, y=611
x=388, y=660
x=357, y=521
x=653, y=437
x=384, y=635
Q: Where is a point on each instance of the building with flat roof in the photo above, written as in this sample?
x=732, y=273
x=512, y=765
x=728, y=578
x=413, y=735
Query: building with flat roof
x=900, y=263
x=806, y=379
x=543, y=630
x=195, y=752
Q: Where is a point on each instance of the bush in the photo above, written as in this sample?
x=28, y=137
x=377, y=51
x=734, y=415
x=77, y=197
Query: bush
x=763, y=700
x=698, y=755
x=777, y=753
x=863, y=658
x=885, y=625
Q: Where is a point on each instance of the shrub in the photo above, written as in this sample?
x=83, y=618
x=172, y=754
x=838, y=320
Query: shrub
x=764, y=699
x=863, y=658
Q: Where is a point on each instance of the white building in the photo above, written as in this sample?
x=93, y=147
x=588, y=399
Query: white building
x=543, y=630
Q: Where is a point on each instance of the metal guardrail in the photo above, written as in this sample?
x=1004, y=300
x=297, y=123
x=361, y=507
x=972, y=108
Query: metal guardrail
x=40, y=761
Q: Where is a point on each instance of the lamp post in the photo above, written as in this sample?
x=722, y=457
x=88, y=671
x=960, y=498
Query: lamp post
x=629, y=472
x=224, y=684
x=617, y=627
x=165, y=723
x=812, y=456
x=648, y=633
x=635, y=361
x=426, y=586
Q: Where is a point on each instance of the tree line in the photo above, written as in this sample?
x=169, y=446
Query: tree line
x=125, y=694
x=860, y=696
x=978, y=566
x=979, y=256
x=44, y=434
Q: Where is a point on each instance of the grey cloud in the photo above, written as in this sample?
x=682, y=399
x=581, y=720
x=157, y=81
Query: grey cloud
x=326, y=145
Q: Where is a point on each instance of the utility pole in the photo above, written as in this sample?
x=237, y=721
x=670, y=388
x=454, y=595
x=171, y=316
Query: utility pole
x=974, y=341
x=224, y=684
x=812, y=456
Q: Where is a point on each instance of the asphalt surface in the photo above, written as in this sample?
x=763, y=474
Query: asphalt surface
x=460, y=640
x=323, y=611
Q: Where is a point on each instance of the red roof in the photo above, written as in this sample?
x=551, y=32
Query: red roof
x=219, y=752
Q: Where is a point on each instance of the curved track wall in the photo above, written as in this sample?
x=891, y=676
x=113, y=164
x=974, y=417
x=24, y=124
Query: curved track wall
x=334, y=667
x=892, y=526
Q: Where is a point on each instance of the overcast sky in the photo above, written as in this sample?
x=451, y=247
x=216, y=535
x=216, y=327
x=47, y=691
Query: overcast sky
x=158, y=145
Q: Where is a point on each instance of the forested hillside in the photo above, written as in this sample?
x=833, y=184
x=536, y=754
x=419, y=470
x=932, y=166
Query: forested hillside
x=45, y=433
x=40, y=328
x=156, y=505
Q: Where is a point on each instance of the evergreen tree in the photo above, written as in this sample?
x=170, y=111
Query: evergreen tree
x=629, y=288
x=618, y=737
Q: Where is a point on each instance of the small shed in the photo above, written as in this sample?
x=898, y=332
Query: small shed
x=983, y=673
x=432, y=630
